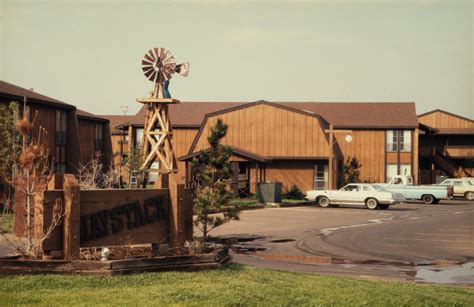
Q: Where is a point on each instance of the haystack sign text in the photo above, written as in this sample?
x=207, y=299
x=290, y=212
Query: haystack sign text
x=113, y=221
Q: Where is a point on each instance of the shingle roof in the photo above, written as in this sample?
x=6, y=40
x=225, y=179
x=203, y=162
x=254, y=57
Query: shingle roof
x=116, y=120
x=90, y=116
x=19, y=92
x=364, y=114
x=341, y=114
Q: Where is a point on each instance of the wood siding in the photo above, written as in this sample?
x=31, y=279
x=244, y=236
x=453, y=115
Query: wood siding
x=86, y=136
x=440, y=119
x=182, y=140
x=368, y=146
x=87, y=142
x=270, y=131
x=289, y=173
x=44, y=117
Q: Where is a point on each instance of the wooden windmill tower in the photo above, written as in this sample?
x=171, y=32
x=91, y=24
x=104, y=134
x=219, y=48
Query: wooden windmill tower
x=159, y=66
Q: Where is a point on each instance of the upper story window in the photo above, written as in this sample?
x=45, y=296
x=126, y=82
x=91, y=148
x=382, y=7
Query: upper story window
x=60, y=135
x=60, y=142
x=398, y=140
x=98, y=136
x=138, y=137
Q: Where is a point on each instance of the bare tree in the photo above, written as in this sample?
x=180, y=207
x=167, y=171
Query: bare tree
x=31, y=178
x=94, y=175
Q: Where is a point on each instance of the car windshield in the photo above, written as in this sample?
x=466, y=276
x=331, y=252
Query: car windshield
x=378, y=188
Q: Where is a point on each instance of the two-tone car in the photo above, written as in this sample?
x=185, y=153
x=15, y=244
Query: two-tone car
x=372, y=196
x=462, y=187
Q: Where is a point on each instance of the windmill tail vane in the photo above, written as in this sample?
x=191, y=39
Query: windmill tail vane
x=183, y=69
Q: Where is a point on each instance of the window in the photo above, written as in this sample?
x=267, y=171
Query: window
x=98, y=136
x=398, y=140
x=320, y=175
x=392, y=140
x=379, y=188
x=457, y=183
x=392, y=170
x=60, y=142
x=366, y=188
x=138, y=137
x=447, y=182
x=351, y=187
x=405, y=169
x=405, y=140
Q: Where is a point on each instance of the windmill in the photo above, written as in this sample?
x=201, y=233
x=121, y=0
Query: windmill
x=158, y=65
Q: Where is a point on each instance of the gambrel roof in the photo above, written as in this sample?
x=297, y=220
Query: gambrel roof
x=354, y=115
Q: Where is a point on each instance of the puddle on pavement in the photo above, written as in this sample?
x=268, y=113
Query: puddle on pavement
x=458, y=274
x=282, y=240
x=244, y=243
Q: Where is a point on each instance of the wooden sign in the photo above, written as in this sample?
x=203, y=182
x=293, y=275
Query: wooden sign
x=124, y=217
x=98, y=218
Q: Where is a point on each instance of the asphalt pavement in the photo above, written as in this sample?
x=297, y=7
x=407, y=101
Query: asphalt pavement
x=393, y=243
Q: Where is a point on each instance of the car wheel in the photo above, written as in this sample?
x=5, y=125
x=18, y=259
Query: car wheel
x=384, y=207
x=428, y=199
x=323, y=202
x=372, y=203
x=469, y=196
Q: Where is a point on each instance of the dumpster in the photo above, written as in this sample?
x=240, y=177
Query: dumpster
x=269, y=192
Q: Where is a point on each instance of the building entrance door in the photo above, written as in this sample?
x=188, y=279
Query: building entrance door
x=241, y=178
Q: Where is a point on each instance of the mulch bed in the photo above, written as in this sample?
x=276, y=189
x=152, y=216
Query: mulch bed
x=211, y=260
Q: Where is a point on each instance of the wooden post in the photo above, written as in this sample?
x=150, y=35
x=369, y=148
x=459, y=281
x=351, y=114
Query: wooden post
x=331, y=156
x=56, y=182
x=177, y=211
x=188, y=214
x=71, y=235
x=415, y=153
x=331, y=172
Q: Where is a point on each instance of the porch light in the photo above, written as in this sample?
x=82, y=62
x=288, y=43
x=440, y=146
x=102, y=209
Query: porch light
x=348, y=138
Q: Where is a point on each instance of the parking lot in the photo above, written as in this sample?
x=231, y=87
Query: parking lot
x=407, y=234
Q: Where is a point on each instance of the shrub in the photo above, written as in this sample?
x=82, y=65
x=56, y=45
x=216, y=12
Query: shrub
x=294, y=193
x=350, y=171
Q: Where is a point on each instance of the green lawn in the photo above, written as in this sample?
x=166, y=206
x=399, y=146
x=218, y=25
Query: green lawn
x=252, y=201
x=231, y=285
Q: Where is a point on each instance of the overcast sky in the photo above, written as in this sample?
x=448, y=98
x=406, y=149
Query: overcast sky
x=88, y=53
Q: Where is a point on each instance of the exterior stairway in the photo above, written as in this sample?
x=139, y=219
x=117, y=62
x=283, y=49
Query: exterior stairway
x=445, y=163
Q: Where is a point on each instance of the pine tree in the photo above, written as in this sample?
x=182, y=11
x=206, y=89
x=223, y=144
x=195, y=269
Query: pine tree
x=350, y=172
x=212, y=179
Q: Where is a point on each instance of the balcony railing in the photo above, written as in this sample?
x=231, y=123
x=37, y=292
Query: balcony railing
x=459, y=151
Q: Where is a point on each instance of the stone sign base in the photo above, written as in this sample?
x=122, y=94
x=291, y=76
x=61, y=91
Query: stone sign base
x=212, y=260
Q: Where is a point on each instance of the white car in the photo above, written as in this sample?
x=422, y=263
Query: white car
x=371, y=196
